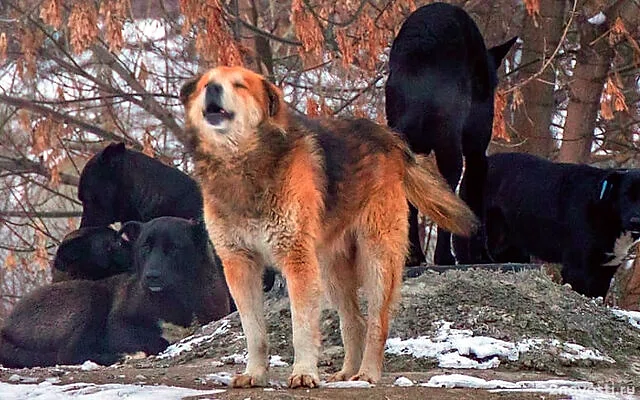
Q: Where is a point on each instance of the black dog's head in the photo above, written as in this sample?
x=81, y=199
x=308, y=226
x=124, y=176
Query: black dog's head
x=621, y=190
x=166, y=253
x=98, y=187
x=92, y=253
x=495, y=56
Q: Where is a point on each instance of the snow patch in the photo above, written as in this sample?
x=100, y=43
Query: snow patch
x=89, y=366
x=459, y=348
x=403, y=382
x=633, y=317
x=346, y=385
x=47, y=391
x=598, y=19
x=221, y=378
x=276, y=361
x=466, y=381
x=188, y=343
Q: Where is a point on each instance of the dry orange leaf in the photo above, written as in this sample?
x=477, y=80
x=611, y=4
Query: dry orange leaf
x=50, y=13
x=499, y=130
x=147, y=145
x=83, y=26
x=10, y=262
x=3, y=47
x=54, y=180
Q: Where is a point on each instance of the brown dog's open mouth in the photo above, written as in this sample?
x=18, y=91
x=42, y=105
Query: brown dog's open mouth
x=215, y=115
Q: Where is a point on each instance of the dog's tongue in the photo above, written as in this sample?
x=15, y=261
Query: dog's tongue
x=215, y=118
x=215, y=114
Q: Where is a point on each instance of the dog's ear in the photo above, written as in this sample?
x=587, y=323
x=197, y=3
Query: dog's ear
x=70, y=251
x=130, y=231
x=610, y=184
x=188, y=88
x=274, y=98
x=199, y=229
x=500, y=51
x=112, y=151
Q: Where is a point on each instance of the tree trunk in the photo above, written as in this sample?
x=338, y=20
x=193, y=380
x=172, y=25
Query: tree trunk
x=533, y=118
x=585, y=89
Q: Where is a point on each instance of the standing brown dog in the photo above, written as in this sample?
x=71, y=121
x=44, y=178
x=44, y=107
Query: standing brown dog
x=325, y=198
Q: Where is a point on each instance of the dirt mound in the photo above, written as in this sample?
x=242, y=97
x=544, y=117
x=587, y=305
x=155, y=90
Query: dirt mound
x=534, y=323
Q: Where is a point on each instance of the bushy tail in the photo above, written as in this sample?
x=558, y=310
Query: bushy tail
x=427, y=190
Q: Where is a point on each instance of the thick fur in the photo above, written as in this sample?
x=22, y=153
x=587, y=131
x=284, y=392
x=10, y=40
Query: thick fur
x=120, y=185
x=565, y=213
x=91, y=253
x=323, y=200
x=73, y=321
x=439, y=95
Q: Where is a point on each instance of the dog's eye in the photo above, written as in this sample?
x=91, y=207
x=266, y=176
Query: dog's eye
x=239, y=85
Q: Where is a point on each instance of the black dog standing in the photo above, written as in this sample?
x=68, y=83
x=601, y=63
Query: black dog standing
x=439, y=95
x=119, y=185
x=572, y=214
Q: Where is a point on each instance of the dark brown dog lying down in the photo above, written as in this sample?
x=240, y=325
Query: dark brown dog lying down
x=177, y=277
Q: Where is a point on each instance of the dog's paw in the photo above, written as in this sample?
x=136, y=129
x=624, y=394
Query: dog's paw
x=247, y=381
x=365, y=377
x=304, y=380
x=339, y=376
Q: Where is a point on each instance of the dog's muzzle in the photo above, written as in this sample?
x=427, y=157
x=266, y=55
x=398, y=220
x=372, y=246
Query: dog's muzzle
x=213, y=111
x=153, y=281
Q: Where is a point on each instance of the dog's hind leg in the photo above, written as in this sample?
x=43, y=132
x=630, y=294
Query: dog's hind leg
x=244, y=277
x=302, y=273
x=381, y=250
x=341, y=288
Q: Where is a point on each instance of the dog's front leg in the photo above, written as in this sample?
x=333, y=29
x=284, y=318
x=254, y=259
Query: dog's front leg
x=301, y=270
x=244, y=277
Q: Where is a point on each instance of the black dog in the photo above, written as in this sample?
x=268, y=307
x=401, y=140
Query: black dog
x=177, y=276
x=564, y=213
x=91, y=253
x=119, y=185
x=439, y=95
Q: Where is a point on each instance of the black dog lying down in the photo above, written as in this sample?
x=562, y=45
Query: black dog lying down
x=439, y=95
x=176, y=271
x=91, y=253
x=565, y=213
x=119, y=185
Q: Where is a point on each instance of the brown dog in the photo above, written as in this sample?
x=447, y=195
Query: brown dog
x=324, y=200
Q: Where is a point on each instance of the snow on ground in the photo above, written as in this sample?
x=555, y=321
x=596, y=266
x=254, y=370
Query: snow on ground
x=90, y=391
x=346, y=385
x=575, y=390
x=189, y=342
x=274, y=360
x=632, y=316
x=459, y=348
x=403, y=381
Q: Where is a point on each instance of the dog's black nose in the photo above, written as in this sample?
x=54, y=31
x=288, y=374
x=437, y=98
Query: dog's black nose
x=214, y=91
x=153, y=280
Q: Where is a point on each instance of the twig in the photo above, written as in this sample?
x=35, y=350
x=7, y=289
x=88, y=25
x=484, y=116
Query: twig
x=553, y=55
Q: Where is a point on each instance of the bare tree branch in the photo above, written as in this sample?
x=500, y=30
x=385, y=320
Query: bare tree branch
x=40, y=109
